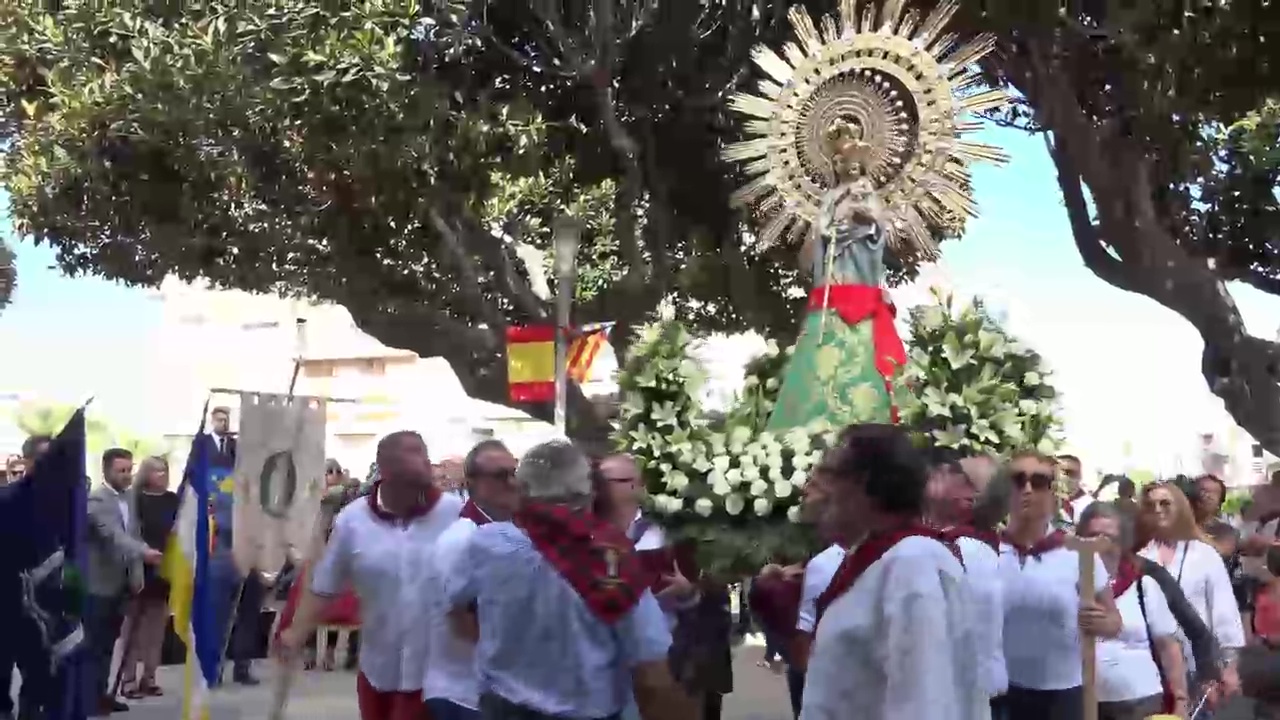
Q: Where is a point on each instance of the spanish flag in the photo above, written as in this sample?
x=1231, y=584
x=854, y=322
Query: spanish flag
x=531, y=363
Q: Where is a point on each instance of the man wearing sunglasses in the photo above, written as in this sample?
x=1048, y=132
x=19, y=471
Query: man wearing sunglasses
x=450, y=688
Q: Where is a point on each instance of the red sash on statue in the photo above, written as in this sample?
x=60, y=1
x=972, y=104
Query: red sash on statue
x=855, y=303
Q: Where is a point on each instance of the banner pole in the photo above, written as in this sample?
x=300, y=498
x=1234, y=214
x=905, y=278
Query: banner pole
x=300, y=351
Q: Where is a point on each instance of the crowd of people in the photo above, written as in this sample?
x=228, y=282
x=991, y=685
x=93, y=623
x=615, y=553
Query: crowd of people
x=537, y=588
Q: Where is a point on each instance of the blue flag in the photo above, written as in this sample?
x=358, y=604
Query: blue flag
x=42, y=531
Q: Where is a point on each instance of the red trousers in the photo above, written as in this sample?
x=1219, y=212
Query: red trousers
x=378, y=705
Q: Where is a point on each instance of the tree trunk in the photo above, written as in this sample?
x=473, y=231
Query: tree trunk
x=1130, y=247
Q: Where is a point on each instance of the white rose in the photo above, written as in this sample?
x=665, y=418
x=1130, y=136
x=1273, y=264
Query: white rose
x=721, y=488
x=750, y=473
x=1028, y=407
x=799, y=478
x=793, y=513
x=740, y=435
x=932, y=317
x=747, y=459
x=751, y=381
x=1031, y=378
x=771, y=384
x=721, y=462
x=774, y=460
x=782, y=490
x=717, y=443
x=677, y=481
x=734, y=504
x=798, y=441
x=762, y=506
x=775, y=473
x=801, y=462
x=758, y=488
x=733, y=477
x=771, y=348
x=704, y=507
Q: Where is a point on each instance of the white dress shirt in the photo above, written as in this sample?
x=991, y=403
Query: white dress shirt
x=898, y=645
x=451, y=660
x=1126, y=668
x=817, y=576
x=982, y=573
x=389, y=565
x=1203, y=577
x=1041, y=617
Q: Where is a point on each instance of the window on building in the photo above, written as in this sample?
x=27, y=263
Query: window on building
x=375, y=367
x=317, y=369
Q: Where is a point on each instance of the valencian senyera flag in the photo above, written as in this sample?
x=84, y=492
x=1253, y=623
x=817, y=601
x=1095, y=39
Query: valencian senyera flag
x=42, y=533
x=531, y=359
x=186, y=567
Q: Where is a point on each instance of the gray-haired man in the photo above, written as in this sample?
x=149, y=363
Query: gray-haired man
x=567, y=613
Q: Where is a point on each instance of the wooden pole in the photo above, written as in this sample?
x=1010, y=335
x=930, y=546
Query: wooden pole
x=1087, y=550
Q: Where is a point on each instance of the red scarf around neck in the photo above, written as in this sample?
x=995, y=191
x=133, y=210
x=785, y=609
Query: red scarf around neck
x=592, y=555
x=1052, y=541
x=471, y=511
x=1126, y=575
x=426, y=503
x=872, y=549
x=1068, y=508
x=989, y=537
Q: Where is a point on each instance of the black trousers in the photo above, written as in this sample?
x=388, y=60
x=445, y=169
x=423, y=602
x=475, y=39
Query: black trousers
x=795, y=689
x=103, y=617
x=495, y=707
x=247, y=630
x=1026, y=704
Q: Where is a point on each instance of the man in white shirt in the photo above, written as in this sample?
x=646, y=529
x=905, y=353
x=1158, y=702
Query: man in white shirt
x=893, y=639
x=1077, y=499
x=450, y=687
x=382, y=545
x=949, y=501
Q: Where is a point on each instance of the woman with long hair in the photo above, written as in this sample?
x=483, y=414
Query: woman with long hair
x=1043, y=617
x=1132, y=666
x=155, y=508
x=1170, y=536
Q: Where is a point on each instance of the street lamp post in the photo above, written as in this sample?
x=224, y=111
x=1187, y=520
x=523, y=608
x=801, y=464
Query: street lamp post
x=567, y=236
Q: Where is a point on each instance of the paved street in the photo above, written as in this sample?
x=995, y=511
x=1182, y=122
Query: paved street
x=760, y=695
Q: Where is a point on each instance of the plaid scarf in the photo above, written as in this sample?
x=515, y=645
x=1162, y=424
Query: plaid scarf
x=872, y=549
x=425, y=504
x=1050, y=542
x=592, y=555
x=471, y=511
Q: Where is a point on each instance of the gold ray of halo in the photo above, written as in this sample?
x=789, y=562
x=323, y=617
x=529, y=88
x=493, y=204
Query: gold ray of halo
x=909, y=81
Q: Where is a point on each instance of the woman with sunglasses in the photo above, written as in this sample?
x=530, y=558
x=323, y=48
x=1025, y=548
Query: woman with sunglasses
x=1169, y=535
x=1133, y=666
x=1043, y=616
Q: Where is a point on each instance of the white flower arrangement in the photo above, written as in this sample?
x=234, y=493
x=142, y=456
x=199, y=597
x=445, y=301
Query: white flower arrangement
x=975, y=387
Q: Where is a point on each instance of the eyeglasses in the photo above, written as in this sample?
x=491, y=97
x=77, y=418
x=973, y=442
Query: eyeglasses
x=1037, y=481
x=500, y=474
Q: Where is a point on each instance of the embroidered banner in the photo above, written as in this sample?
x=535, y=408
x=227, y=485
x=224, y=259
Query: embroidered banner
x=279, y=479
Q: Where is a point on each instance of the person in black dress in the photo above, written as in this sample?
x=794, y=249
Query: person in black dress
x=156, y=508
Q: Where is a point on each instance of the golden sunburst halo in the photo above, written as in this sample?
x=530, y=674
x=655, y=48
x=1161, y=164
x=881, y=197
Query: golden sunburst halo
x=901, y=83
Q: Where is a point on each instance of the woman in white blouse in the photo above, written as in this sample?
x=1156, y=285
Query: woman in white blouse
x=1129, y=686
x=1043, y=618
x=1178, y=544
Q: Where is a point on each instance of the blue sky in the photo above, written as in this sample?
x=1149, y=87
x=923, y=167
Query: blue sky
x=1128, y=368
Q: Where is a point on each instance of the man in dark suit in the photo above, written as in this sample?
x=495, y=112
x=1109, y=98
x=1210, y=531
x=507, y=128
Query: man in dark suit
x=32, y=448
x=116, y=554
x=224, y=441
